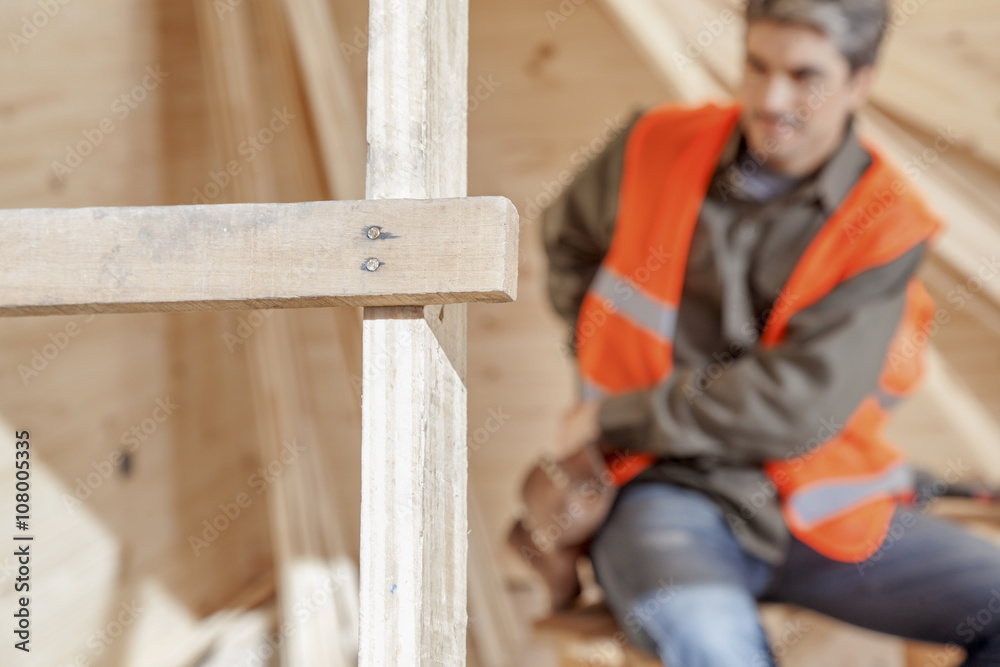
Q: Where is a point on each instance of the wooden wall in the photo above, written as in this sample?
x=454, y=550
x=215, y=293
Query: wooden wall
x=545, y=86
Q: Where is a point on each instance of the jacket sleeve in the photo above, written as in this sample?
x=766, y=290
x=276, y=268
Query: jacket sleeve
x=577, y=228
x=776, y=402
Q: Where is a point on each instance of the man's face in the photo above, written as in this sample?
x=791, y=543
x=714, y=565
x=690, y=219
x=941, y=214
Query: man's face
x=797, y=93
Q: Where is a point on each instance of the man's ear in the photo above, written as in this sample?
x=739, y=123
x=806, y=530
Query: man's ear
x=860, y=85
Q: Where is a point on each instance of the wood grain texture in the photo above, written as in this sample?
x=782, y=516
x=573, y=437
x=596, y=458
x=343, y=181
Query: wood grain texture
x=312, y=566
x=499, y=633
x=241, y=256
x=414, y=459
x=662, y=40
x=327, y=83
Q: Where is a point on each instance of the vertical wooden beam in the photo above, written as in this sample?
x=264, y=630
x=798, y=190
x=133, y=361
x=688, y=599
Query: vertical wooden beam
x=326, y=80
x=499, y=635
x=339, y=132
x=661, y=41
x=414, y=458
x=315, y=575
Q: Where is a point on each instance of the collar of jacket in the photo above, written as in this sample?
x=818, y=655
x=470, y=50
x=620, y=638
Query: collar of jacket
x=830, y=183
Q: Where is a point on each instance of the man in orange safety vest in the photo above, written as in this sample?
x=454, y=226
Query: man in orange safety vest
x=740, y=282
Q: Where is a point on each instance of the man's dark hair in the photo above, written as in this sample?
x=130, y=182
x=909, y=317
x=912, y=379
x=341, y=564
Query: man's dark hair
x=855, y=26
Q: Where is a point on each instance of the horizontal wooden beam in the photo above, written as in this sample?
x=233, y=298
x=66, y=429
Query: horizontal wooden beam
x=247, y=256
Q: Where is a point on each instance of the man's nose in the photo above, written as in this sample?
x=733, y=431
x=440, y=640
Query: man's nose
x=778, y=96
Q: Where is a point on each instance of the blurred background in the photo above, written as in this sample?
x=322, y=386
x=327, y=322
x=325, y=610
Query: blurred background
x=166, y=506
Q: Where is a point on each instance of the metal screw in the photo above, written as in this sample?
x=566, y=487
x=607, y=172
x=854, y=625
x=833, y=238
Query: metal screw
x=373, y=233
x=372, y=264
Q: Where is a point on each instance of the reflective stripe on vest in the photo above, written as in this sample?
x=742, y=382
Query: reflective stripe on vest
x=886, y=400
x=593, y=391
x=819, y=502
x=632, y=303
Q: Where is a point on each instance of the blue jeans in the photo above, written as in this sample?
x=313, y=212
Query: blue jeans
x=681, y=586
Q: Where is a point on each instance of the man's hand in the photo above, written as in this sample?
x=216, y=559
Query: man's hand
x=579, y=427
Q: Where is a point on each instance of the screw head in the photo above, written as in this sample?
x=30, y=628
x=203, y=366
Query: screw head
x=372, y=264
x=373, y=232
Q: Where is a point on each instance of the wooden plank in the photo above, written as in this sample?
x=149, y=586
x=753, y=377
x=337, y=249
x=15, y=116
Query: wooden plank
x=241, y=256
x=313, y=570
x=970, y=420
x=413, y=504
x=943, y=278
x=311, y=562
x=499, y=634
x=652, y=27
x=939, y=82
x=158, y=644
x=414, y=457
x=972, y=237
x=330, y=96
x=417, y=125
x=338, y=128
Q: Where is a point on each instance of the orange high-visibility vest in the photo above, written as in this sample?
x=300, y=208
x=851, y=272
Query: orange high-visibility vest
x=837, y=497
